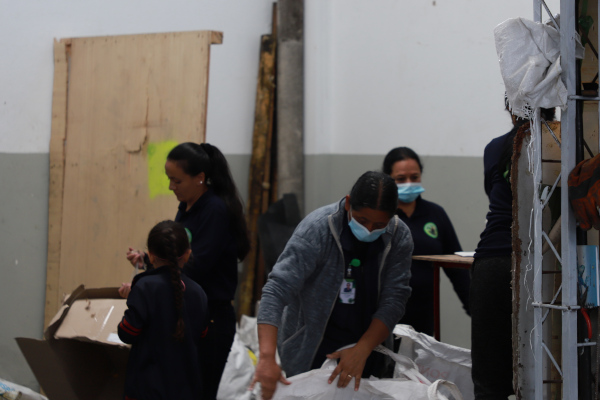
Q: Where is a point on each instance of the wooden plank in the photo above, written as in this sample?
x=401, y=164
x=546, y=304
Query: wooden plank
x=446, y=258
x=527, y=350
x=57, y=164
x=522, y=261
x=259, y=167
x=130, y=98
x=270, y=162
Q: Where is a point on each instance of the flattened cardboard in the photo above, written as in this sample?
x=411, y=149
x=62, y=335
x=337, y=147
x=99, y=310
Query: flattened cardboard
x=92, y=320
x=40, y=356
x=80, y=367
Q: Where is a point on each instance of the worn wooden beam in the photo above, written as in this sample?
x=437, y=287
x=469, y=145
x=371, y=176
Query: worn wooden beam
x=522, y=191
x=524, y=324
x=260, y=164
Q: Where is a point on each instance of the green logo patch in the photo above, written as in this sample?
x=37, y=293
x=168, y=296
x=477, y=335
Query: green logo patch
x=431, y=230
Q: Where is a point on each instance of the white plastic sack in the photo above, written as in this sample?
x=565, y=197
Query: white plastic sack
x=529, y=56
x=312, y=385
x=12, y=391
x=241, y=363
x=436, y=360
x=247, y=329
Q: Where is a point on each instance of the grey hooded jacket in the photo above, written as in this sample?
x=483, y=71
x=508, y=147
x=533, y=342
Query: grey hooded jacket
x=303, y=286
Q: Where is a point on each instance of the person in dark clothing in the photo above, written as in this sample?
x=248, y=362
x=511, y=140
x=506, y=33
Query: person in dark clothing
x=211, y=209
x=491, y=291
x=432, y=234
x=165, y=321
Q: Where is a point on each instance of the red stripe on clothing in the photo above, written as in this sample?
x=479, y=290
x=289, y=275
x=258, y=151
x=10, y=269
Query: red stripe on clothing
x=204, y=332
x=127, y=327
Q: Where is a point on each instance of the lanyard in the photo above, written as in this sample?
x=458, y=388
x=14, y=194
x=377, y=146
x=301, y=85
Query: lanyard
x=354, y=263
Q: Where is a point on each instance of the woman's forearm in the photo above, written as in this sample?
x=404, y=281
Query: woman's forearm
x=267, y=340
x=375, y=335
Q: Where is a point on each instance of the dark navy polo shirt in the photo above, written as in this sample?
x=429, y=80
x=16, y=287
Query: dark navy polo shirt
x=433, y=234
x=496, y=239
x=214, y=253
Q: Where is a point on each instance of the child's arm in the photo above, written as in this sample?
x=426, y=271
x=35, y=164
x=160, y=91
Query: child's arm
x=132, y=324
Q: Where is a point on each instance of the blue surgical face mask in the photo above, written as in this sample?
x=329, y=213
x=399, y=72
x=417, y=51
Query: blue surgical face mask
x=408, y=192
x=362, y=233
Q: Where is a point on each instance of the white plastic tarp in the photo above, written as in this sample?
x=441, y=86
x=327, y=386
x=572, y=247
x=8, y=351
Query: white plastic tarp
x=410, y=385
x=529, y=56
x=241, y=363
x=437, y=360
x=12, y=391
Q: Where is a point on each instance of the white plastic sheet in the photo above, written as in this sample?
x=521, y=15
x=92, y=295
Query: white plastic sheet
x=529, y=56
x=12, y=391
x=312, y=385
x=436, y=360
x=241, y=363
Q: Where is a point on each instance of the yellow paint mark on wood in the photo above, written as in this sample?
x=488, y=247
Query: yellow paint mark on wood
x=158, y=183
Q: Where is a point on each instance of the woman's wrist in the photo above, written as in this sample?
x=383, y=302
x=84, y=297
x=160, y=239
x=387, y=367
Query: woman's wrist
x=364, y=347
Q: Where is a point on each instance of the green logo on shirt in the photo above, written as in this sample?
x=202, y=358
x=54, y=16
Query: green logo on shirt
x=431, y=230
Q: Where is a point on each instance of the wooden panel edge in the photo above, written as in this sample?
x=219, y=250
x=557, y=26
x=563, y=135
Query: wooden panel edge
x=56, y=184
x=216, y=37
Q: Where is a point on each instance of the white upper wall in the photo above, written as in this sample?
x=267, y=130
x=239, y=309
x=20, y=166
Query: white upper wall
x=423, y=74
x=28, y=28
x=379, y=73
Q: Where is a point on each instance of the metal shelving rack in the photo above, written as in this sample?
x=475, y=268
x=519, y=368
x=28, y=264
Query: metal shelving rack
x=567, y=364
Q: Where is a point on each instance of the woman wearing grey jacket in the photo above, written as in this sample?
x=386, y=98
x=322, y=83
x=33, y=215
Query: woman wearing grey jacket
x=343, y=278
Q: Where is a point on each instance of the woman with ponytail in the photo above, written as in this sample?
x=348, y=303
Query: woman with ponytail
x=211, y=209
x=165, y=321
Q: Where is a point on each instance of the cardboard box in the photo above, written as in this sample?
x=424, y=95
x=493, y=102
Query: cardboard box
x=81, y=357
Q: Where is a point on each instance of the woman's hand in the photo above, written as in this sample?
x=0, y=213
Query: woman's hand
x=124, y=290
x=350, y=365
x=136, y=257
x=268, y=373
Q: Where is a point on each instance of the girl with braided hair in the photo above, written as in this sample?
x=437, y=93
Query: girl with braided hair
x=211, y=209
x=165, y=322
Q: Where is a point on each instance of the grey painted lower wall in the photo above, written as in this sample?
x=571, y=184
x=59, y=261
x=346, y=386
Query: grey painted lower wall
x=23, y=248
x=456, y=183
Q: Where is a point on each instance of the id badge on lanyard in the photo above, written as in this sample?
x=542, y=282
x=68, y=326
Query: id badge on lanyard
x=348, y=288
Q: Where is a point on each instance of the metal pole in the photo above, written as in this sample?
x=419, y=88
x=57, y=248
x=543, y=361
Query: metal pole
x=568, y=240
x=536, y=137
x=536, y=157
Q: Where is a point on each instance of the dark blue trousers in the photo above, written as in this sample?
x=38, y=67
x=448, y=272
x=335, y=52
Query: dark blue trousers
x=216, y=346
x=491, y=328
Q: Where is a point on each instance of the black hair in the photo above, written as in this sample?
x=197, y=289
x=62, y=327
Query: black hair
x=375, y=190
x=195, y=158
x=399, y=154
x=506, y=152
x=168, y=241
